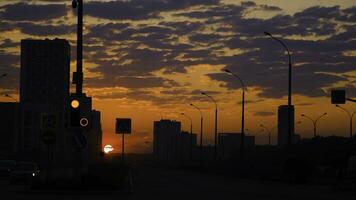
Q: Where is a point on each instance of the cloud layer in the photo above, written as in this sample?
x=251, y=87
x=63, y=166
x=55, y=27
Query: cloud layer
x=139, y=38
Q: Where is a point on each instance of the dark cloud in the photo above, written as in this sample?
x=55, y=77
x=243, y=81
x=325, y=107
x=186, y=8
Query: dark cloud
x=32, y=12
x=174, y=92
x=142, y=95
x=319, y=12
x=130, y=82
x=264, y=113
x=7, y=43
x=45, y=30
x=9, y=64
x=275, y=85
x=248, y=4
x=270, y=8
x=138, y=9
x=349, y=15
x=221, y=11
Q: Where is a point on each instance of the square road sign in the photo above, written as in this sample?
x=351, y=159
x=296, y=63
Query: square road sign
x=123, y=125
x=338, y=97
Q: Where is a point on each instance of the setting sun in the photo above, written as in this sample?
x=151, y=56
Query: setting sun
x=108, y=148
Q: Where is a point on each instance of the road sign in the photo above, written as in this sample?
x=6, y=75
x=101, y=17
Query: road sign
x=48, y=121
x=48, y=137
x=123, y=125
x=338, y=97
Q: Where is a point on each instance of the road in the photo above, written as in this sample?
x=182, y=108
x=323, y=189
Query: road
x=167, y=184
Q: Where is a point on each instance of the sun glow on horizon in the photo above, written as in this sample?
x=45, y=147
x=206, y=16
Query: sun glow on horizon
x=108, y=148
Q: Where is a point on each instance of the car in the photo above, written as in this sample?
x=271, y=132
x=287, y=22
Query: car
x=24, y=172
x=5, y=167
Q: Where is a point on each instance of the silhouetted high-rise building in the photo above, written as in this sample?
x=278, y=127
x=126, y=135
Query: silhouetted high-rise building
x=283, y=124
x=45, y=69
x=9, y=123
x=165, y=139
x=44, y=88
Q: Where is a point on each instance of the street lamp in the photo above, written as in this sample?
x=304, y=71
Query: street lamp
x=314, y=121
x=351, y=115
x=269, y=131
x=243, y=111
x=216, y=124
x=201, y=131
x=289, y=85
x=191, y=134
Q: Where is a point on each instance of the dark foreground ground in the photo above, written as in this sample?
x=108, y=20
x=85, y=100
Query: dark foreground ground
x=152, y=182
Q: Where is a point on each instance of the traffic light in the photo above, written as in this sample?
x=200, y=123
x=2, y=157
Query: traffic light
x=74, y=112
x=80, y=112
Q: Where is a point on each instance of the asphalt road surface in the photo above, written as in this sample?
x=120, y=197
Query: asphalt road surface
x=156, y=183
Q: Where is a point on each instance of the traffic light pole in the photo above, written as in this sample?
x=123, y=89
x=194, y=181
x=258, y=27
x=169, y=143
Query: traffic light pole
x=123, y=148
x=79, y=73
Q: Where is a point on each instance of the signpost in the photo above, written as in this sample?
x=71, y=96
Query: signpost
x=123, y=126
x=48, y=128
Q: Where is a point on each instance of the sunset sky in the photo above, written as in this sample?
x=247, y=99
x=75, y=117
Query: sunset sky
x=147, y=59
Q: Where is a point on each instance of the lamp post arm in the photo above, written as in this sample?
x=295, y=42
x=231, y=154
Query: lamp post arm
x=313, y=121
x=348, y=113
x=321, y=116
x=283, y=44
x=201, y=113
x=211, y=98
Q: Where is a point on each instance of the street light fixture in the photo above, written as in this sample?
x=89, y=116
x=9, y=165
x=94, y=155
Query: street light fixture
x=201, y=131
x=269, y=131
x=9, y=96
x=315, y=121
x=289, y=85
x=191, y=134
x=351, y=115
x=243, y=111
x=216, y=124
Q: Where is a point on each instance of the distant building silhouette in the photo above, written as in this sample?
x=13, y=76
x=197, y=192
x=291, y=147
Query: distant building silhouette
x=165, y=135
x=95, y=137
x=184, y=144
x=230, y=143
x=44, y=88
x=283, y=124
x=10, y=130
x=169, y=143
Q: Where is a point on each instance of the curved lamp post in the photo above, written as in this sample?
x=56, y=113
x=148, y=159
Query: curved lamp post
x=314, y=121
x=243, y=111
x=191, y=133
x=351, y=115
x=216, y=124
x=289, y=84
x=269, y=131
x=201, y=131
